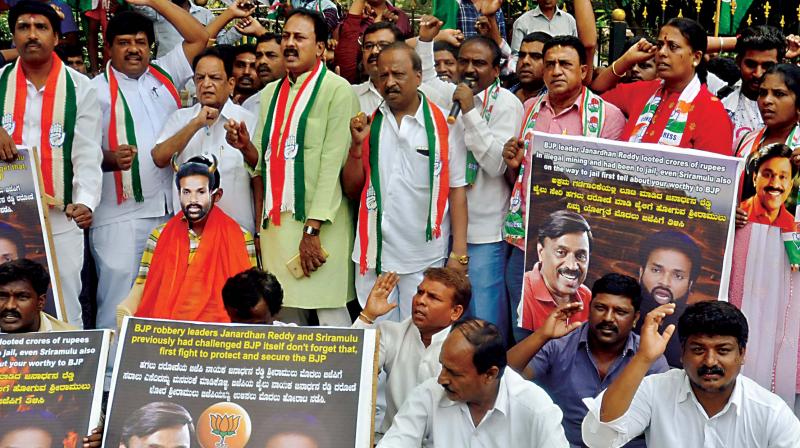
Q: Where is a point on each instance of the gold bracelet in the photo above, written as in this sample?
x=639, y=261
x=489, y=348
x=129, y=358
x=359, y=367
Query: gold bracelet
x=614, y=71
x=366, y=319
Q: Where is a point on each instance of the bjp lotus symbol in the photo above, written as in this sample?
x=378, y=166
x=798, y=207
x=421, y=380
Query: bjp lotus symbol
x=223, y=425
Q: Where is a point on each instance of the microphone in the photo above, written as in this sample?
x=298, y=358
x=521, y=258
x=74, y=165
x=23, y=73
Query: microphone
x=456, y=108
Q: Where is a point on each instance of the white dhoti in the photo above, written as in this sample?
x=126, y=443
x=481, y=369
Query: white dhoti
x=69, y=258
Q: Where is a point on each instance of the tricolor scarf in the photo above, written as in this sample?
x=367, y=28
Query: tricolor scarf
x=676, y=125
x=489, y=99
x=370, y=207
x=752, y=141
x=592, y=112
x=57, y=124
x=122, y=131
x=282, y=142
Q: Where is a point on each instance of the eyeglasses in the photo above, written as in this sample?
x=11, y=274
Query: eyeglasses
x=370, y=46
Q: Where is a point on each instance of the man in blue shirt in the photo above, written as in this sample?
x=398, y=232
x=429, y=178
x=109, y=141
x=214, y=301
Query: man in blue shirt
x=572, y=361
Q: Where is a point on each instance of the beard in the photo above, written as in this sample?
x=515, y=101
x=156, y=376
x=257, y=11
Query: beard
x=195, y=212
x=680, y=302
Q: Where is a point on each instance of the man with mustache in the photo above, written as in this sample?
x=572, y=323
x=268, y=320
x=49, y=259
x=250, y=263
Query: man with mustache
x=477, y=400
x=23, y=292
x=772, y=173
x=53, y=108
x=200, y=129
x=244, y=73
x=406, y=168
x=409, y=350
x=707, y=403
x=669, y=264
x=573, y=361
x=490, y=115
x=269, y=65
x=530, y=66
x=376, y=37
x=757, y=49
x=563, y=247
x=136, y=97
x=302, y=138
x=187, y=260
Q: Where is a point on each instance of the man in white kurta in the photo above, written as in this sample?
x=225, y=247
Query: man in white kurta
x=200, y=129
x=405, y=186
x=121, y=228
x=32, y=25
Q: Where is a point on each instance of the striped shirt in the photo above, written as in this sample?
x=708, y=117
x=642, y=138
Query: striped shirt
x=194, y=243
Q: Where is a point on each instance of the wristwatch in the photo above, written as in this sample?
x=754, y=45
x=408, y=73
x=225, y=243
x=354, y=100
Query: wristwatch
x=308, y=230
x=461, y=259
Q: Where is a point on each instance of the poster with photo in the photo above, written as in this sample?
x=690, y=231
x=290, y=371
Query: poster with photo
x=769, y=187
x=51, y=387
x=235, y=386
x=662, y=215
x=23, y=229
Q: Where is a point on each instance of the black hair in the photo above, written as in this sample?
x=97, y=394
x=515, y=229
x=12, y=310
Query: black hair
x=769, y=152
x=10, y=233
x=129, y=22
x=791, y=77
x=674, y=240
x=243, y=291
x=696, y=35
x=536, y=36
x=488, y=342
x=34, y=7
x=377, y=26
x=462, y=289
x=24, y=269
x=34, y=419
x=266, y=37
x=236, y=50
x=69, y=51
x=713, y=318
x=154, y=417
x=761, y=38
x=441, y=45
x=321, y=29
x=562, y=222
x=199, y=165
x=619, y=285
x=215, y=52
x=497, y=55
x=725, y=69
x=566, y=41
x=416, y=62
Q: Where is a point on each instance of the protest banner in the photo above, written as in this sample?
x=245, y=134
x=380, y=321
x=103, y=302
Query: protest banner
x=24, y=232
x=244, y=385
x=51, y=387
x=638, y=200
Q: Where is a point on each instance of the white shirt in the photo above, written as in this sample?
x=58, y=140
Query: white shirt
x=666, y=410
x=405, y=189
x=368, y=96
x=150, y=104
x=488, y=197
x=535, y=20
x=237, y=197
x=406, y=361
x=743, y=111
x=86, y=155
x=523, y=416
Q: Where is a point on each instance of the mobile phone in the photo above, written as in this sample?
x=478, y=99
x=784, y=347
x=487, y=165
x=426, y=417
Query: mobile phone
x=294, y=266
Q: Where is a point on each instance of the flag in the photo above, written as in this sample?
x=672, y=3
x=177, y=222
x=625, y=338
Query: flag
x=272, y=12
x=447, y=12
x=728, y=25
